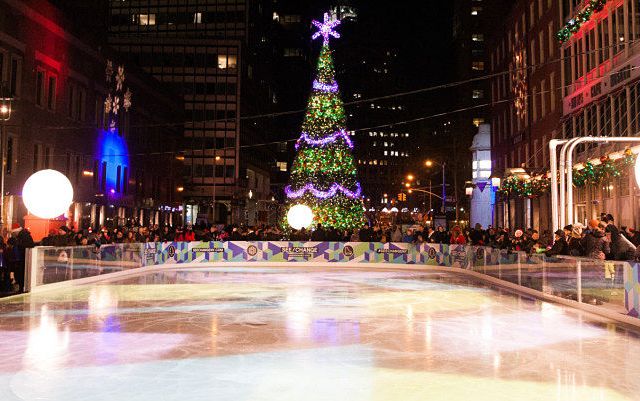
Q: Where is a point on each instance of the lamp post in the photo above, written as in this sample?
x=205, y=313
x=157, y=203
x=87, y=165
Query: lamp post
x=5, y=115
x=215, y=179
x=430, y=163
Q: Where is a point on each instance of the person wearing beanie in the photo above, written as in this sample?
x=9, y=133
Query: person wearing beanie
x=595, y=243
x=560, y=245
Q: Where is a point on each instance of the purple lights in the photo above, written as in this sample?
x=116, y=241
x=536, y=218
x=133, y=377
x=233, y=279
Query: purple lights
x=332, y=88
x=325, y=141
x=326, y=29
x=332, y=191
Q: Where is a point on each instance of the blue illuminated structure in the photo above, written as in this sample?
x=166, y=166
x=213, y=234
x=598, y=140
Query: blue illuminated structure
x=112, y=149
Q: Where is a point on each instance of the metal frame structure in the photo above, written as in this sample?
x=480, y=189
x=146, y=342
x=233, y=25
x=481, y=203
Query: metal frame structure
x=562, y=201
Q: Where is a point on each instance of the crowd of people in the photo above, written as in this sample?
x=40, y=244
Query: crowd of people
x=600, y=239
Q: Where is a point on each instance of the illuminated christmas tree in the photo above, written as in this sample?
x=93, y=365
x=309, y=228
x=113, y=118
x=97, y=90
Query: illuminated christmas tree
x=323, y=175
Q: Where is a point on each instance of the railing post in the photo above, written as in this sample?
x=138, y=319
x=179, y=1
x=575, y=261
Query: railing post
x=579, y=280
x=519, y=270
x=31, y=264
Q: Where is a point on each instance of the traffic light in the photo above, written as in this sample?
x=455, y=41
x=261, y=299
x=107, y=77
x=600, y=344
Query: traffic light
x=402, y=197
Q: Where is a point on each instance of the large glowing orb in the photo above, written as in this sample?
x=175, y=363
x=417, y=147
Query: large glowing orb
x=300, y=216
x=47, y=194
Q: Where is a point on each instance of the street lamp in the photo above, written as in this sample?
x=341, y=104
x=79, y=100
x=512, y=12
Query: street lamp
x=430, y=163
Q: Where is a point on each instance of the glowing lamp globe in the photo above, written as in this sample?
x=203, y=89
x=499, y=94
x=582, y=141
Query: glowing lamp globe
x=47, y=194
x=300, y=216
x=637, y=170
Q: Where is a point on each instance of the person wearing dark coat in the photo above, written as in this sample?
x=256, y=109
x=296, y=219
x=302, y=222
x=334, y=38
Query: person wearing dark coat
x=319, y=234
x=365, y=234
x=441, y=236
x=560, y=245
x=595, y=243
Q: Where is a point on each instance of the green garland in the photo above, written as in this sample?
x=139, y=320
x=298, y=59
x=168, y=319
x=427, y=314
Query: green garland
x=608, y=169
x=583, y=16
x=524, y=188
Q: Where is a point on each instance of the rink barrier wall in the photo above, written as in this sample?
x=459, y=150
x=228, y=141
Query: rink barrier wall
x=615, y=285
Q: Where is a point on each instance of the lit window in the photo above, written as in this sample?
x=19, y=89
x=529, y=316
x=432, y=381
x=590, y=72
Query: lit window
x=197, y=18
x=475, y=10
x=385, y=153
x=276, y=17
x=477, y=66
x=227, y=61
x=477, y=37
x=485, y=164
x=282, y=166
x=147, y=19
x=478, y=94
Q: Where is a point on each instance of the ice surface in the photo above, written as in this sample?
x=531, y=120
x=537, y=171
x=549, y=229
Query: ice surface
x=308, y=334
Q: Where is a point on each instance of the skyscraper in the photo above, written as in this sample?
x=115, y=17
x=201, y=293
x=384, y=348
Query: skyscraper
x=208, y=52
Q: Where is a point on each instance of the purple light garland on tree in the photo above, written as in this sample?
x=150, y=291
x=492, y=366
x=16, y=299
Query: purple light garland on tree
x=332, y=88
x=332, y=191
x=325, y=141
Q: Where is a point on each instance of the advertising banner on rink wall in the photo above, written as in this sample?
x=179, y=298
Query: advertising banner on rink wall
x=632, y=289
x=320, y=252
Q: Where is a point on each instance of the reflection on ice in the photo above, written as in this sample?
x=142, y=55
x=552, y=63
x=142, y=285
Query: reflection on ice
x=47, y=345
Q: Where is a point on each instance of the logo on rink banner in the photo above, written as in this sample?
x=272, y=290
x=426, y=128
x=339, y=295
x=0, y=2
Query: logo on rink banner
x=347, y=251
x=171, y=251
x=208, y=250
x=252, y=250
x=432, y=253
x=396, y=251
x=299, y=252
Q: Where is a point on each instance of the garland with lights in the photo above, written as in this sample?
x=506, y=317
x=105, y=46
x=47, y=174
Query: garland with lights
x=574, y=24
x=531, y=188
x=323, y=174
x=593, y=174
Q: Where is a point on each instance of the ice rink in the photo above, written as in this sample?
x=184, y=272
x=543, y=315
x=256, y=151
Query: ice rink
x=307, y=334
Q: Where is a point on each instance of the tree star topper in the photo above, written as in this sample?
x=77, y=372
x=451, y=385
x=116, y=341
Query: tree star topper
x=326, y=29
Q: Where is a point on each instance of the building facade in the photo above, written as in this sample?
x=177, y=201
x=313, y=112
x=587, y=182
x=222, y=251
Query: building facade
x=58, y=84
x=526, y=103
x=601, y=95
x=216, y=56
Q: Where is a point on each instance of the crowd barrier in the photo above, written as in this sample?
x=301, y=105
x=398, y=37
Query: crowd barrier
x=612, y=285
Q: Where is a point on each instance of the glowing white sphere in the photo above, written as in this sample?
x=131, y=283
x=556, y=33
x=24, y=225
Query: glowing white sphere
x=47, y=194
x=300, y=216
x=638, y=170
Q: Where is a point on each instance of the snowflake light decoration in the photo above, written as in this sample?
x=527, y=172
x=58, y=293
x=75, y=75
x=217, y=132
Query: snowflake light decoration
x=519, y=82
x=109, y=70
x=120, y=78
x=115, y=106
x=126, y=103
x=326, y=29
x=107, y=104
